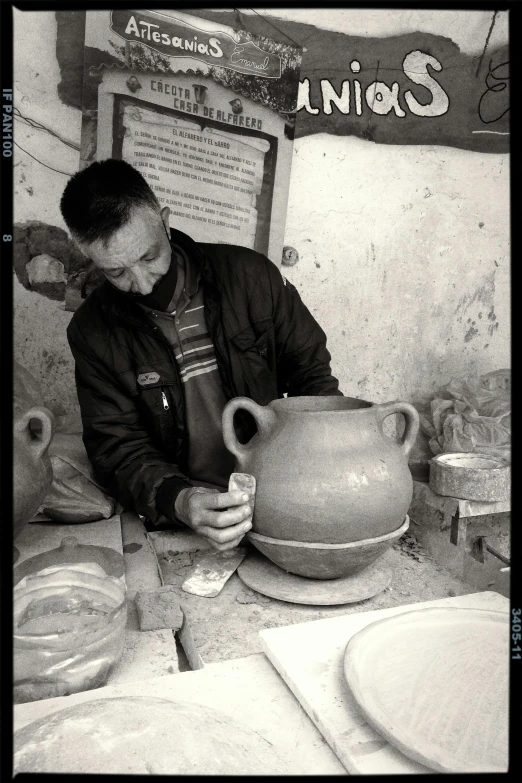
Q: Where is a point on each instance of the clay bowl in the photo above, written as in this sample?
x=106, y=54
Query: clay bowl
x=472, y=476
x=325, y=561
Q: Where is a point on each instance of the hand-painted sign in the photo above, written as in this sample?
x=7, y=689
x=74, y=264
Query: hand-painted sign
x=416, y=88
x=406, y=89
x=175, y=38
x=411, y=89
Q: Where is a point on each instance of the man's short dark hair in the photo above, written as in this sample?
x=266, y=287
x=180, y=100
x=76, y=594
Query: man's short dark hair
x=98, y=201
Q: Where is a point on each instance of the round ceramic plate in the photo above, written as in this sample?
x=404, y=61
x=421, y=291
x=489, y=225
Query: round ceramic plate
x=134, y=735
x=434, y=683
x=260, y=574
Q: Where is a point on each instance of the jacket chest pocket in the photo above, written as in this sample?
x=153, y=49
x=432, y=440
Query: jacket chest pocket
x=158, y=398
x=257, y=356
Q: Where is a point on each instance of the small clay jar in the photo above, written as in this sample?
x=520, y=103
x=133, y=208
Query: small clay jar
x=69, y=552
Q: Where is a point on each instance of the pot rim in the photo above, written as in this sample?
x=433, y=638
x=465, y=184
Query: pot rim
x=281, y=404
x=351, y=545
x=449, y=460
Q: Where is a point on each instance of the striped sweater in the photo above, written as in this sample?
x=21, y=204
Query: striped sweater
x=184, y=326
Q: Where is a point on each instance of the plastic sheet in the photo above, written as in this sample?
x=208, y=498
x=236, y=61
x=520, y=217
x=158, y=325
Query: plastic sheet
x=472, y=414
x=74, y=495
x=69, y=630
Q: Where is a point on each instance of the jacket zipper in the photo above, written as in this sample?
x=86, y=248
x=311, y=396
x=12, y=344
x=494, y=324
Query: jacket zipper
x=161, y=337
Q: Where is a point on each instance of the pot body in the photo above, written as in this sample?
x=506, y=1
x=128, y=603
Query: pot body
x=325, y=470
x=326, y=561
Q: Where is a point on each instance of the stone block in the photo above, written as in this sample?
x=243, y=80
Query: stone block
x=158, y=609
x=61, y=250
x=45, y=269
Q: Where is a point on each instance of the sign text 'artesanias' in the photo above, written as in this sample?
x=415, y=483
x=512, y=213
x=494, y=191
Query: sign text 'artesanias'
x=175, y=38
x=379, y=96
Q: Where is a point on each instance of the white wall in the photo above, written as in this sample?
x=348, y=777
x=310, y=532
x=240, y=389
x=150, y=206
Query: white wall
x=36, y=78
x=404, y=260
x=404, y=250
x=40, y=342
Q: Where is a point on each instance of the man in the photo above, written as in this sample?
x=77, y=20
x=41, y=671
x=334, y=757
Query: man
x=176, y=330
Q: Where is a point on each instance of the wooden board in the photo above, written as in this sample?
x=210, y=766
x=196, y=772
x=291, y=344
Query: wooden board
x=247, y=689
x=260, y=574
x=309, y=657
x=147, y=653
x=435, y=683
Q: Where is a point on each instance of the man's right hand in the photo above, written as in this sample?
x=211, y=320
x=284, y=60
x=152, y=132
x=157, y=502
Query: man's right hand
x=221, y=517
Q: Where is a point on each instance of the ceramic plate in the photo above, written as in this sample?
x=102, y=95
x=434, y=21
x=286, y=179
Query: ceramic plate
x=434, y=683
x=258, y=573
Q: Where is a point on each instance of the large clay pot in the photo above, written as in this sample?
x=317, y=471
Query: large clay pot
x=326, y=473
x=32, y=434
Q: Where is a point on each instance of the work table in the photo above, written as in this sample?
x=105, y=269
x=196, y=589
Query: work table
x=236, y=678
x=227, y=626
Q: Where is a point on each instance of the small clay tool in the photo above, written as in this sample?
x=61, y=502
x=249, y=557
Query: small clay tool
x=245, y=482
x=212, y=572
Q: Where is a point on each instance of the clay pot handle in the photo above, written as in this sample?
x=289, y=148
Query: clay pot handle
x=263, y=416
x=412, y=421
x=37, y=442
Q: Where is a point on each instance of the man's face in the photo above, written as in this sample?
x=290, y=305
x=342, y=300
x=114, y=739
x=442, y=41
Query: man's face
x=137, y=256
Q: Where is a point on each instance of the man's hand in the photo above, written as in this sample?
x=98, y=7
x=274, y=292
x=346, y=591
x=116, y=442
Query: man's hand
x=202, y=509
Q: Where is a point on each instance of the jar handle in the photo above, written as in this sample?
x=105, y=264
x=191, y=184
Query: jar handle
x=264, y=418
x=37, y=442
x=412, y=421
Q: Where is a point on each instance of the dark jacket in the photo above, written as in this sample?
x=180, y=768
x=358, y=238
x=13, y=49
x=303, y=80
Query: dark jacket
x=266, y=342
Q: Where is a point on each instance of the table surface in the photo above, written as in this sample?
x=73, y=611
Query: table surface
x=228, y=625
x=246, y=689
x=310, y=658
